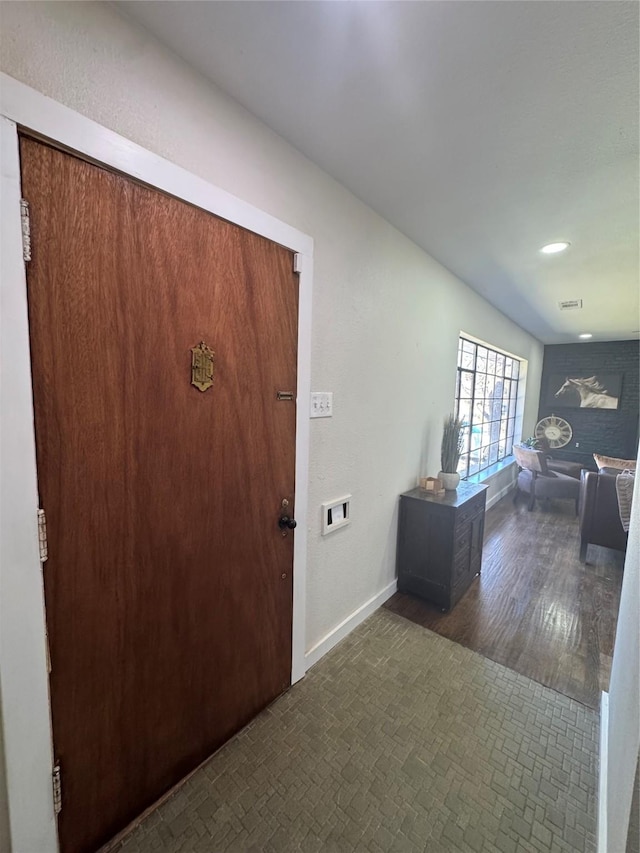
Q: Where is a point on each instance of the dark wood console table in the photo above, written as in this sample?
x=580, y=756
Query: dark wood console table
x=440, y=542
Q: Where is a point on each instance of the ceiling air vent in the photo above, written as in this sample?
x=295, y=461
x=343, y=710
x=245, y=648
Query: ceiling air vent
x=570, y=304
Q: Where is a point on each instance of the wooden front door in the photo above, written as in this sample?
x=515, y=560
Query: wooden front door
x=168, y=585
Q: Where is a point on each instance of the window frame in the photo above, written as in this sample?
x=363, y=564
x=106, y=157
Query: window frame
x=486, y=398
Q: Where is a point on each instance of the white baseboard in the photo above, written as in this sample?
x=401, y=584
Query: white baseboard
x=603, y=768
x=347, y=625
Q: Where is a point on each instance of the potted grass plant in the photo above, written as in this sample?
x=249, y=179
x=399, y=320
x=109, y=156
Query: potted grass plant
x=532, y=443
x=450, y=451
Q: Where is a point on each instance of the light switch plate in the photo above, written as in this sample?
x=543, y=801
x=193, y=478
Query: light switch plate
x=321, y=404
x=336, y=514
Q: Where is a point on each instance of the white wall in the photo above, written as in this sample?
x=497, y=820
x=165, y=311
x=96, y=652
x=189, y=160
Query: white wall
x=623, y=734
x=4, y=809
x=386, y=316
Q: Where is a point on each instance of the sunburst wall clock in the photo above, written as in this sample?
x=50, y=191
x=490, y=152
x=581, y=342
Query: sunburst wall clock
x=555, y=431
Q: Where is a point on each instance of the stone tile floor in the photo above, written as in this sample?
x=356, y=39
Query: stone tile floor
x=398, y=740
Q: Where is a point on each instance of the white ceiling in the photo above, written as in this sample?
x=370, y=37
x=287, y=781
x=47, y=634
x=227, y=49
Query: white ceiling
x=482, y=130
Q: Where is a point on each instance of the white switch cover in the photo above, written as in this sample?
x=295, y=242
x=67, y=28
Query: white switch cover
x=321, y=404
x=336, y=514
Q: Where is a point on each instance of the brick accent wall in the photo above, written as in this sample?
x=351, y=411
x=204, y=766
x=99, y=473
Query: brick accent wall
x=612, y=432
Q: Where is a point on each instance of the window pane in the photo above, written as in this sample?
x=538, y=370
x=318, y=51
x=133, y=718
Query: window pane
x=504, y=411
x=481, y=384
x=486, y=395
x=495, y=431
x=466, y=383
x=495, y=404
x=497, y=410
x=478, y=412
x=484, y=457
x=468, y=355
x=476, y=437
x=464, y=410
x=465, y=439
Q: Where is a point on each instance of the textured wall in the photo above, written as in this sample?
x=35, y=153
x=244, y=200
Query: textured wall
x=624, y=695
x=612, y=432
x=386, y=317
x=4, y=810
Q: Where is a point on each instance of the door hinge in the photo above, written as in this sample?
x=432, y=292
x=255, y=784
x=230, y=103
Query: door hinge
x=26, y=230
x=57, y=789
x=42, y=535
x=297, y=262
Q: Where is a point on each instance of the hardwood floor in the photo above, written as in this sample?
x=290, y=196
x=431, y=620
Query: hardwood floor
x=536, y=608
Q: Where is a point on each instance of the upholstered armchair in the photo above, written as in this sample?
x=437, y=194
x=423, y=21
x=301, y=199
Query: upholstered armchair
x=538, y=481
x=561, y=466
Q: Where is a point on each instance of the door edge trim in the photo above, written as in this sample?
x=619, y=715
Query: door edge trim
x=26, y=731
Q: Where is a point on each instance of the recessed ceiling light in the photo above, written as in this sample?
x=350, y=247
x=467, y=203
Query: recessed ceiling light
x=585, y=335
x=552, y=248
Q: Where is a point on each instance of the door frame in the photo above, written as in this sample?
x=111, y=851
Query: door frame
x=24, y=683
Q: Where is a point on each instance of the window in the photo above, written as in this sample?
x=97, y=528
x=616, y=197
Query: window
x=486, y=396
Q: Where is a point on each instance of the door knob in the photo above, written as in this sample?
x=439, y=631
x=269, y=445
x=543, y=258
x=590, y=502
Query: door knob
x=287, y=523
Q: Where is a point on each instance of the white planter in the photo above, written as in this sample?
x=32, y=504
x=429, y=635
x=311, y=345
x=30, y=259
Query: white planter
x=449, y=481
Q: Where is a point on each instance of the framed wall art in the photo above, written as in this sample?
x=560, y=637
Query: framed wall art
x=584, y=390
